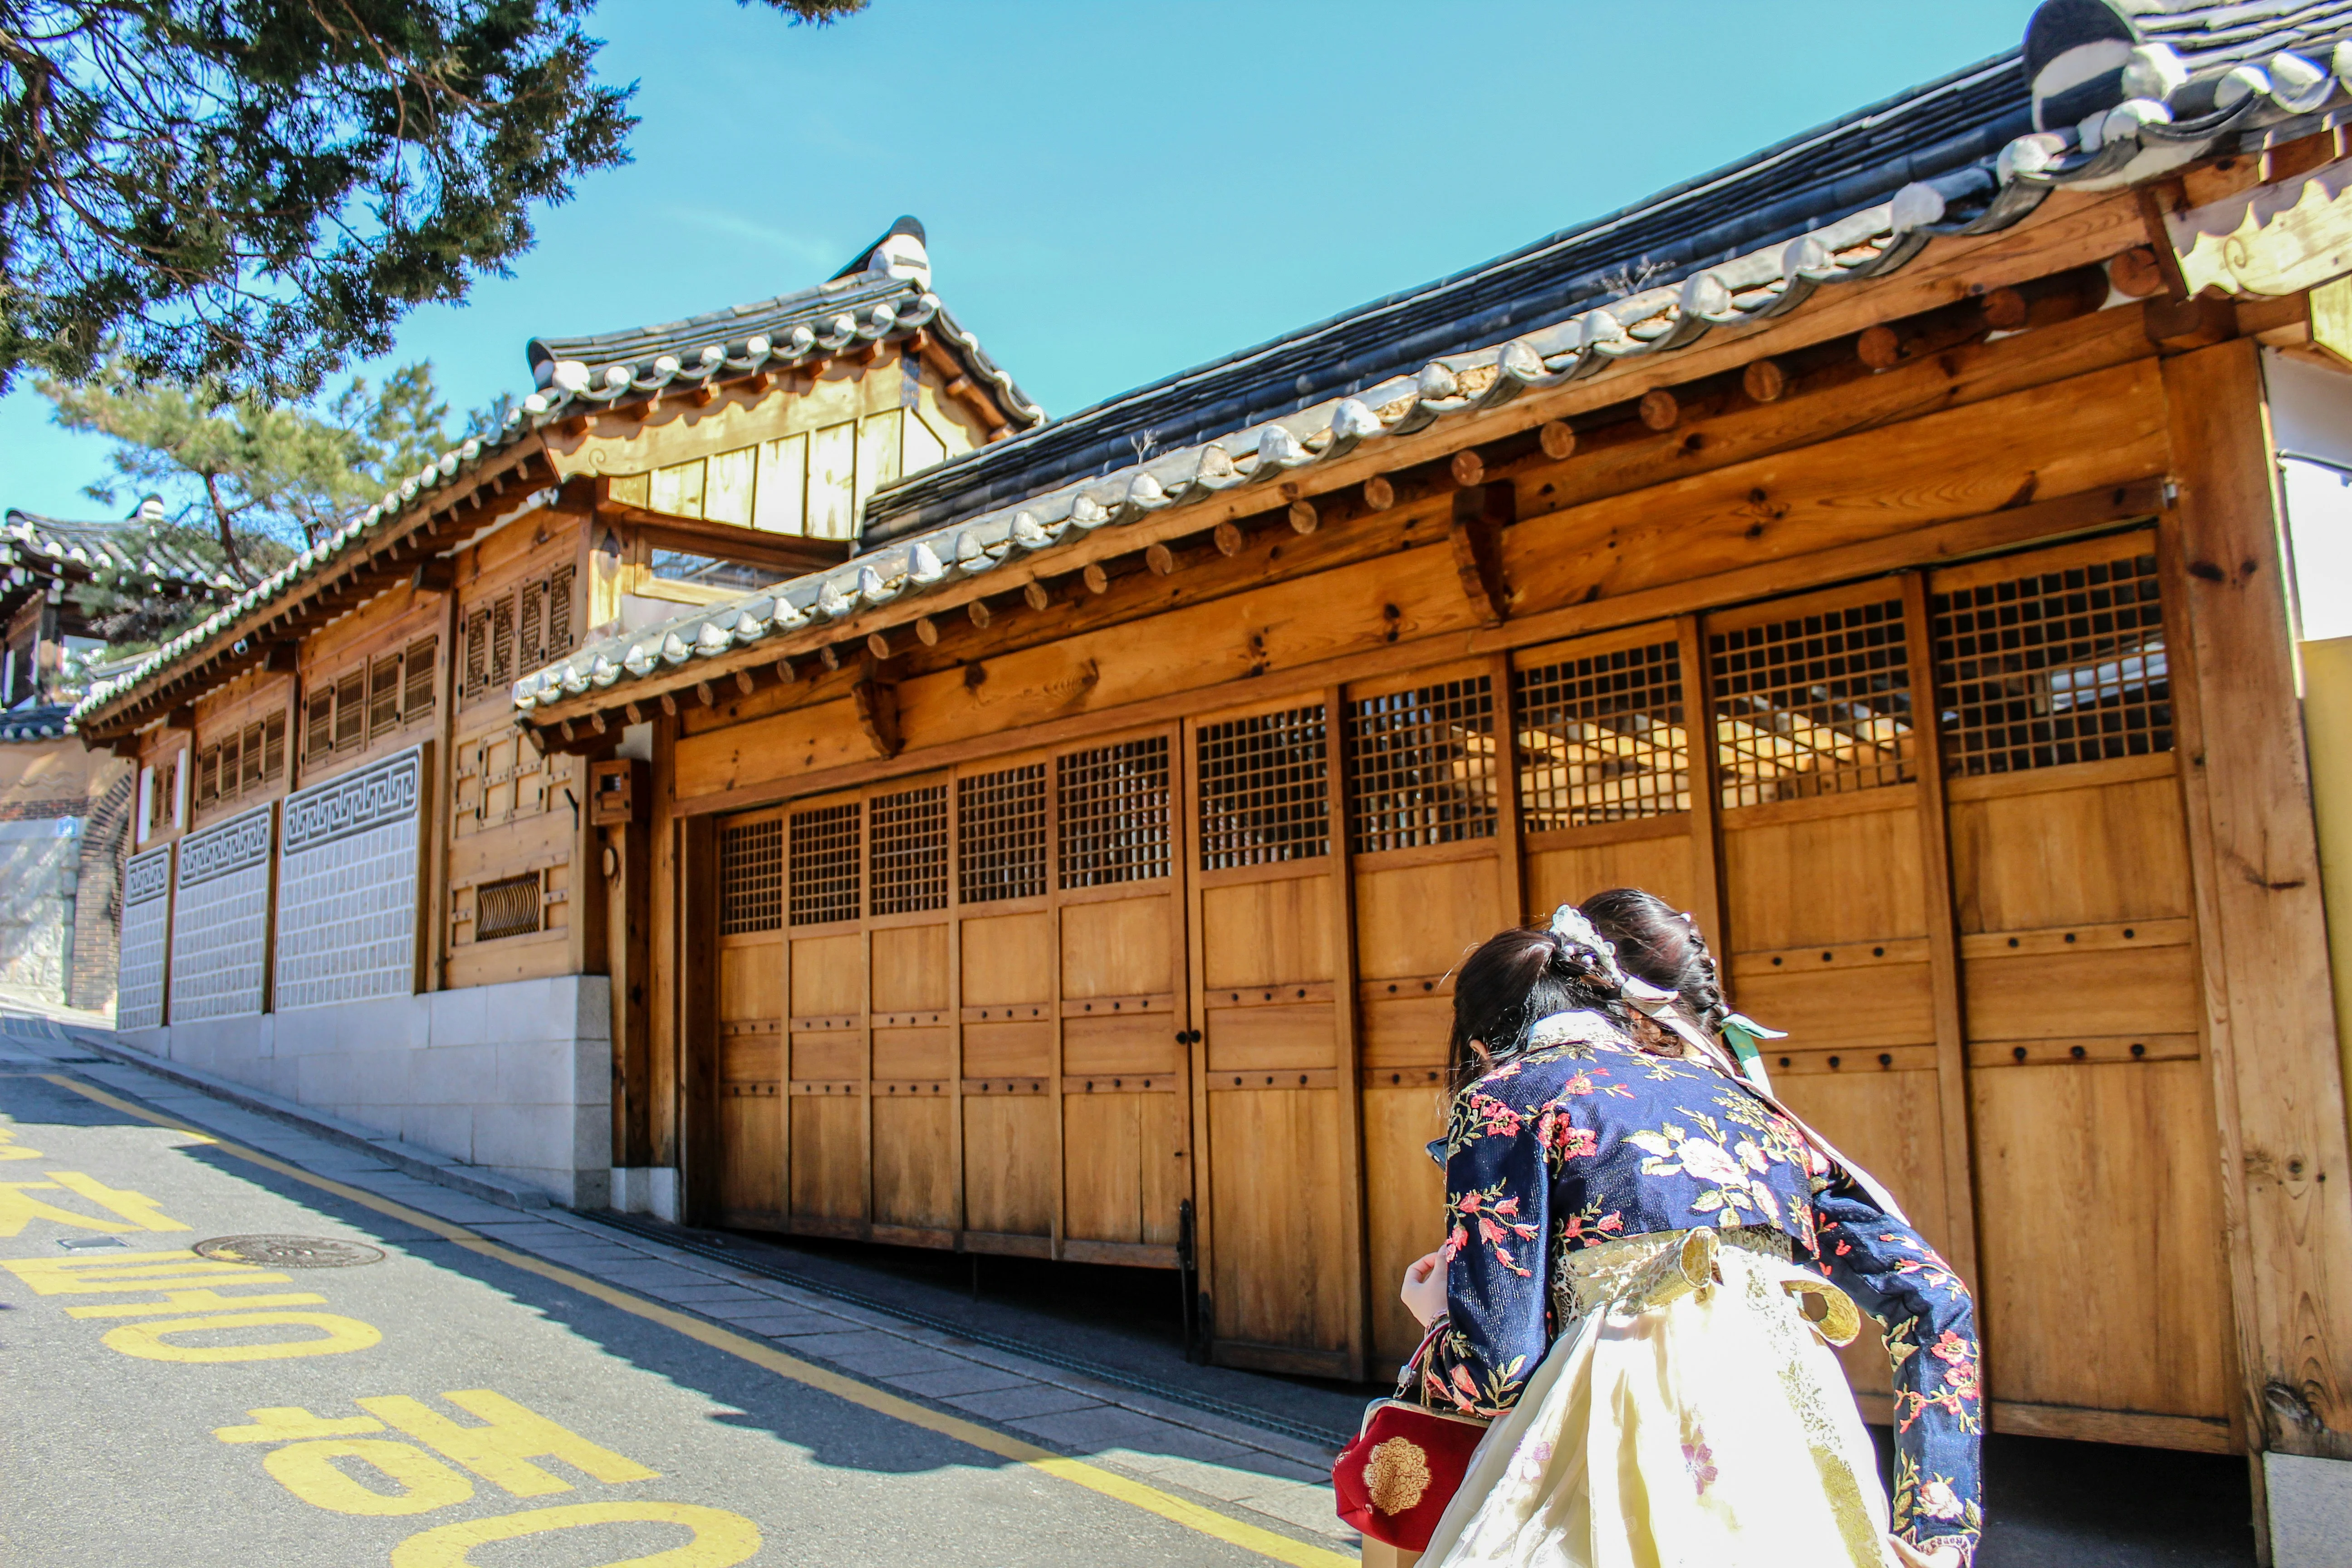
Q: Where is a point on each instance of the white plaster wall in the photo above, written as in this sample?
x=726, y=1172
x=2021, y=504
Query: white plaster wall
x=38, y=856
x=517, y=1078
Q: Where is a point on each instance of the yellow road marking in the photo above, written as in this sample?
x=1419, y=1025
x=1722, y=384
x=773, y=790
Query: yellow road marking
x=1136, y=1494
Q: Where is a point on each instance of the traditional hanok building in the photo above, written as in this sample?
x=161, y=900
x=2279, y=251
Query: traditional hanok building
x=67, y=815
x=371, y=894
x=1875, y=547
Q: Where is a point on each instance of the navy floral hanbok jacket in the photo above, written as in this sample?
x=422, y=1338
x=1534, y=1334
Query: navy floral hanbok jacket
x=1573, y=1145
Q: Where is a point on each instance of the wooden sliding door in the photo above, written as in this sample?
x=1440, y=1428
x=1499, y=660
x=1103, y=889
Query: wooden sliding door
x=2103, y=1299
x=825, y=957
x=1006, y=956
x=749, y=1119
x=910, y=1096
x=1831, y=879
x=1268, y=913
x=1433, y=865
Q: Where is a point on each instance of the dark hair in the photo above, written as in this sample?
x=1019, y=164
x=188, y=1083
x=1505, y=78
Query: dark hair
x=1656, y=942
x=1515, y=978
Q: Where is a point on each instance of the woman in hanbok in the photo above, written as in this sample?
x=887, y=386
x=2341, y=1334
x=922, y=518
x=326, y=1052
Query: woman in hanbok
x=1647, y=1263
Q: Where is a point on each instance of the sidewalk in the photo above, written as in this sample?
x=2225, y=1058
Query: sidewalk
x=1278, y=1480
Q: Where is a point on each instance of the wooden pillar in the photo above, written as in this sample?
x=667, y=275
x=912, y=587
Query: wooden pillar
x=628, y=938
x=2270, y=1016
x=697, y=1015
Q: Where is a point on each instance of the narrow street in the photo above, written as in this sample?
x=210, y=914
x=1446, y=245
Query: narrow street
x=420, y=1373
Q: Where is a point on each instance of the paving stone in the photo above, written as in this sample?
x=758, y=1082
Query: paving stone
x=968, y=1377
x=1101, y=1427
x=1036, y=1400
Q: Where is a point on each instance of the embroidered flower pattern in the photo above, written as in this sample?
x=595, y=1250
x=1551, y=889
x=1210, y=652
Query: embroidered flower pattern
x=1699, y=1460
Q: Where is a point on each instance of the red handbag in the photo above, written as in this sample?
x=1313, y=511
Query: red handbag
x=1394, y=1481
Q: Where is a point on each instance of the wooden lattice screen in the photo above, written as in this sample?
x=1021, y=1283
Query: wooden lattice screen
x=1001, y=834
x=824, y=864
x=1602, y=739
x=752, y=878
x=1113, y=805
x=383, y=696
x=417, y=692
x=508, y=907
x=1266, y=791
x=530, y=627
x=502, y=647
x=2051, y=667
x=1818, y=704
x=351, y=710
x=1420, y=766
x=906, y=854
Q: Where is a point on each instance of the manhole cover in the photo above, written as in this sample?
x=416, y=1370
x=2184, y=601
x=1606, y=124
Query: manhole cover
x=288, y=1251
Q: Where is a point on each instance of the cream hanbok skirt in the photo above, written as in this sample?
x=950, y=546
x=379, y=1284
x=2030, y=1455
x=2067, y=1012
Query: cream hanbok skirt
x=1691, y=1414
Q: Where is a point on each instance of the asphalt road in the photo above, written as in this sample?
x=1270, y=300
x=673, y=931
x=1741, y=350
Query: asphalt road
x=454, y=1402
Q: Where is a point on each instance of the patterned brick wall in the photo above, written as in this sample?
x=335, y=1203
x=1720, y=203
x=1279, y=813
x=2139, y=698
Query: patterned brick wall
x=220, y=919
x=347, y=887
x=146, y=939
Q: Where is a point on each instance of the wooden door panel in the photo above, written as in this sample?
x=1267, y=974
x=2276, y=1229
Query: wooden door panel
x=1123, y=1179
x=752, y=1146
x=1251, y=1039
x=1007, y=959
x=2103, y=1282
x=1279, y=1277
x=900, y=1055
x=1423, y=920
x=1867, y=1005
x=1569, y=874
x=828, y=1153
x=1023, y=1049
x=828, y=977
x=1008, y=1162
x=914, y=1162
x=1404, y=1201
x=911, y=969
x=2087, y=854
x=751, y=982
x=1122, y=1046
x=2148, y=991
x=828, y=1056
x=1117, y=947
x=1410, y=1032
x=1823, y=881
x=1290, y=925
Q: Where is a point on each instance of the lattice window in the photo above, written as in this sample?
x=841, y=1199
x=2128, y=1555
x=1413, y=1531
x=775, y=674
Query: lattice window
x=502, y=649
x=906, y=857
x=319, y=724
x=1114, y=813
x=530, y=627
x=824, y=864
x=273, y=748
x=508, y=907
x=751, y=877
x=383, y=696
x=1602, y=739
x=1266, y=789
x=477, y=652
x=208, y=776
x=1001, y=834
x=1818, y=704
x=2052, y=668
x=559, y=612
x=351, y=710
x=1420, y=766
x=416, y=696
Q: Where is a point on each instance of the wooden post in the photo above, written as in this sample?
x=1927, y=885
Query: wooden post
x=628, y=935
x=1959, y=1237
x=698, y=1023
x=2261, y=931
x=1706, y=791
x=1356, y=1218
x=1481, y=512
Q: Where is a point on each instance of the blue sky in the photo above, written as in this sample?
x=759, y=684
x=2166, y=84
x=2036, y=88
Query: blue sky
x=1117, y=191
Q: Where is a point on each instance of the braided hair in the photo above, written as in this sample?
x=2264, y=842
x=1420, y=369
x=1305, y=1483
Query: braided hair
x=1656, y=942
x=1517, y=977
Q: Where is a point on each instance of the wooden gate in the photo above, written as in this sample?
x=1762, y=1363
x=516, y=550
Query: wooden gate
x=749, y=1113
x=1434, y=863
x=1837, y=913
x=2098, y=1214
x=1268, y=916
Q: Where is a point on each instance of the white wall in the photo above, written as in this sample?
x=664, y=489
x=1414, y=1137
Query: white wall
x=38, y=859
x=516, y=1078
